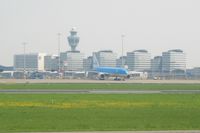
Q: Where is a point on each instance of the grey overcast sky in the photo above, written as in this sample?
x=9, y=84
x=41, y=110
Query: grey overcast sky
x=155, y=25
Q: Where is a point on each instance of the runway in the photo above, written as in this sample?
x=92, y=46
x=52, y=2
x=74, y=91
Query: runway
x=96, y=91
x=13, y=81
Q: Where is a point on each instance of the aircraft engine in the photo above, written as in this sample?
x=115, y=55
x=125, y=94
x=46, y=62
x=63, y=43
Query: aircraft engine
x=128, y=76
x=101, y=76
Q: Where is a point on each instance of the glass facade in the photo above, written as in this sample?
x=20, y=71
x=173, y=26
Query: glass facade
x=72, y=61
x=173, y=60
x=121, y=62
x=87, y=63
x=139, y=60
x=156, y=64
x=51, y=63
x=31, y=62
x=104, y=58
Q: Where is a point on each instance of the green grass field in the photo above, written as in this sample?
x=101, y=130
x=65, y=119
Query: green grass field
x=103, y=86
x=92, y=112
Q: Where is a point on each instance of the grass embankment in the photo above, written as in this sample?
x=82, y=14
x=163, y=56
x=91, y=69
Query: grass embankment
x=78, y=112
x=103, y=86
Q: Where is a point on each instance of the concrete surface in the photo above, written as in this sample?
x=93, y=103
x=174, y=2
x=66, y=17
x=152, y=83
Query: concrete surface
x=96, y=91
x=95, y=81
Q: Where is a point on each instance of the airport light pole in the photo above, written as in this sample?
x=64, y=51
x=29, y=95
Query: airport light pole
x=59, y=34
x=24, y=47
x=122, y=37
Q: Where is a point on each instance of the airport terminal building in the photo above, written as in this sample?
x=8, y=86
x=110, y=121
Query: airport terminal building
x=51, y=63
x=139, y=60
x=104, y=58
x=72, y=61
x=173, y=63
x=156, y=66
x=29, y=62
x=87, y=63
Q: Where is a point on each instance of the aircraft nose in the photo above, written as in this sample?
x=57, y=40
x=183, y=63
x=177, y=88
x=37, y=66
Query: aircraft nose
x=126, y=72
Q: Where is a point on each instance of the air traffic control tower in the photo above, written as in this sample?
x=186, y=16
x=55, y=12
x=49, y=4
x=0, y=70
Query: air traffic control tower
x=73, y=39
x=72, y=60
